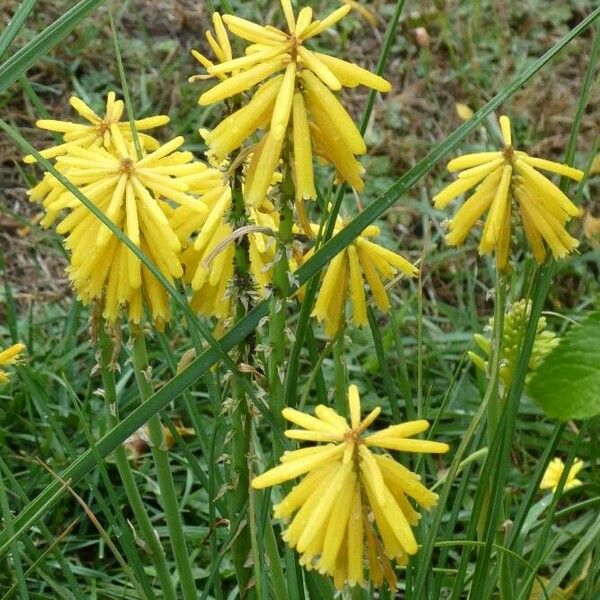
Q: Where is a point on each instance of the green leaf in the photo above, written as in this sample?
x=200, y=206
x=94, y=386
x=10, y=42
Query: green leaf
x=567, y=384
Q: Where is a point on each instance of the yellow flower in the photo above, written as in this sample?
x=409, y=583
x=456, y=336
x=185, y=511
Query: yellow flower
x=132, y=193
x=350, y=496
x=554, y=472
x=9, y=357
x=298, y=101
x=363, y=261
x=209, y=255
x=500, y=178
x=99, y=130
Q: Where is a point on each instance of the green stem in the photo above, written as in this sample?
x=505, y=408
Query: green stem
x=280, y=293
x=491, y=396
x=241, y=421
x=163, y=471
x=340, y=373
x=126, y=474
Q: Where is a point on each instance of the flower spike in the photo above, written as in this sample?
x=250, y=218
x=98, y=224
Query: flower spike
x=506, y=180
x=328, y=513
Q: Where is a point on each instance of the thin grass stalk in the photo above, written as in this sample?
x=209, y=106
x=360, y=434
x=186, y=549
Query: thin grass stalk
x=15, y=556
x=494, y=400
x=166, y=484
x=50, y=538
x=130, y=487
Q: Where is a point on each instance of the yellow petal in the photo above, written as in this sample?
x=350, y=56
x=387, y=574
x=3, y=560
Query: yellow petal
x=327, y=22
x=351, y=75
x=241, y=82
x=472, y=160
x=546, y=187
x=252, y=32
x=455, y=189
x=307, y=422
x=357, y=291
x=283, y=104
x=495, y=218
x=506, y=133
x=354, y=404
x=290, y=470
x=319, y=97
x=303, y=167
x=265, y=164
x=404, y=445
x=319, y=68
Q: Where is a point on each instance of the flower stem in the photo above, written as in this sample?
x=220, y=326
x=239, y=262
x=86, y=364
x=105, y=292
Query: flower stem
x=163, y=470
x=126, y=474
x=277, y=319
x=340, y=373
x=493, y=397
x=241, y=421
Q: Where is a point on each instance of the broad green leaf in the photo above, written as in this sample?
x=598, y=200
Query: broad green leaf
x=567, y=384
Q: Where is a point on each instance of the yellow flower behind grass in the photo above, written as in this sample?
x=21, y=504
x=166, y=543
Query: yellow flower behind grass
x=362, y=262
x=351, y=499
x=504, y=180
x=135, y=194
x=554, y=472
x=98, y=130
x=9, y=356
x=294, y=97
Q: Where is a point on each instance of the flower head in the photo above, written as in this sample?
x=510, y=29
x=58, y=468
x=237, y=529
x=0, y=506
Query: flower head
x=515, y=323
x=135, y=194
x=554, y=472
x=350, y=497
x=294, y=95
x=501, y=179
x=363, y=261
x=9, y=357
x=99, y=130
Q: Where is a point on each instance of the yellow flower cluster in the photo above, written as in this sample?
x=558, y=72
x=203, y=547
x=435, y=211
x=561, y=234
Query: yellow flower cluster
x=134, y=193
x=9, y=357
x=294, y=94
x=351, y=498
x=499, y=178
x=174, y=208
x=363, y=261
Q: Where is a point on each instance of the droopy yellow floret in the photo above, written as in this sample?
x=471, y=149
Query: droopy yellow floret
x=350, y=493
x=362, y=262
x=504, y=180
x=294, y=96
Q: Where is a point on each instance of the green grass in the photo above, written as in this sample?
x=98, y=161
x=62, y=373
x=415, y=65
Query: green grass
x=53, y=414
